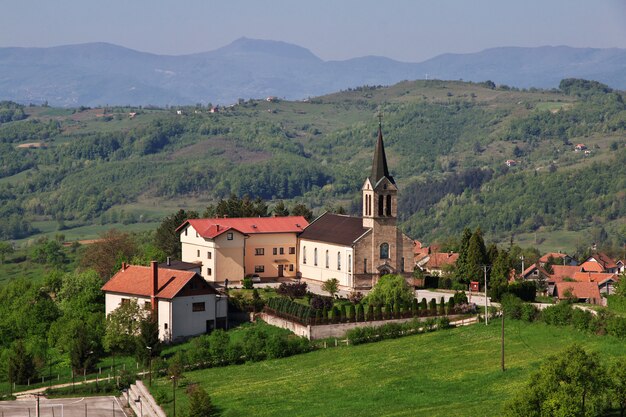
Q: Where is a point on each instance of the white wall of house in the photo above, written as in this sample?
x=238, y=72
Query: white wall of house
x=165, y=319
x=113, y=301
x=323, y=271
x=185, y=321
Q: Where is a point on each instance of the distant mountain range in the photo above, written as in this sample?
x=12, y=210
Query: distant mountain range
x=100, y=73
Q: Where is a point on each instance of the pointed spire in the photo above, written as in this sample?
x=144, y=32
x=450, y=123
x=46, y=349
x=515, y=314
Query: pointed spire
x=379, y=165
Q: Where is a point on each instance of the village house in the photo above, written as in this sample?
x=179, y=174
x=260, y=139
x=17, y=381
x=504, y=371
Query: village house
x=182, y=301
x=436, y=263
x=232, y=248
x=582, y=292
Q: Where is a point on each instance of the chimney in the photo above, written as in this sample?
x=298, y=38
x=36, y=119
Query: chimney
x=218, y=227
x=124, y=266
x=154, y=288
x=169, y=261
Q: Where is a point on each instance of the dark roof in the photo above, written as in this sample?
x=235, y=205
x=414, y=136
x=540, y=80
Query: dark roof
x=379, y=165
x=180, y=265
x=335, y=228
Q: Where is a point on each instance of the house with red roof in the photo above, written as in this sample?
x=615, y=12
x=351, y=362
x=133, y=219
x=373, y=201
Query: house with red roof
x=584, y=292
x=558, y=257
x=232, y=248
x=183, y=302
x=604, y=263
x=438, y=261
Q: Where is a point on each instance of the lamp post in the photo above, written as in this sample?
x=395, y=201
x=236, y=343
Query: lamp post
x=150, y=365
x=173, y=378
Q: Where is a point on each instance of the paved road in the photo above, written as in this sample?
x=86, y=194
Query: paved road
x=66, y=407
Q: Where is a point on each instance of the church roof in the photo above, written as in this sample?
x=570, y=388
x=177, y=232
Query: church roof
x=379, y=165
x=335, y=228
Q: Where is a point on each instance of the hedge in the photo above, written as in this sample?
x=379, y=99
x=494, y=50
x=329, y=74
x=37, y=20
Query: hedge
x=290, y=309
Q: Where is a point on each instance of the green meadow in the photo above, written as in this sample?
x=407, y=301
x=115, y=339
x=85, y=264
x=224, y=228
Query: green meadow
x=447, y=373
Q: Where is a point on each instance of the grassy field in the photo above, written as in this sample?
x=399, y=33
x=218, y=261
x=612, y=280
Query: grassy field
x=446, y=373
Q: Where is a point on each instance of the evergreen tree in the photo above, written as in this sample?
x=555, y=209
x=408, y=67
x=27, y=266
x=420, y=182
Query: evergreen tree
x=200, y=403
x=461, y=263
x=302, y=210
x=166, y=238
x=500, y=270
x=280, y=210
x=476, y=256
x=21, y=365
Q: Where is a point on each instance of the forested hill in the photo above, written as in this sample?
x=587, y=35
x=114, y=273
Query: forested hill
x=447, y=144
x=96, y=74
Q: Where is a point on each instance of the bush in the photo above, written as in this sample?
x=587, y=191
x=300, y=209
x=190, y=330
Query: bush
x=442, y=307
x=616, y=326
x=529, y=312
x=289, y=309
x=319, y=302
x=247, y=283
x=582, y=320
x=423, y=306
x=460, y=298
x=355, y=297
x=451, y=305
x=559, y=314
x=512, y=306
x=432, y=306
x=617, y=303
x=293, y=290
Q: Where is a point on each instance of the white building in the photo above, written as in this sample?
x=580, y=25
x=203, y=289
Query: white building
x=185, y=304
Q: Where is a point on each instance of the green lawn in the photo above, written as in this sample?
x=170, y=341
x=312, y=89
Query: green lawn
x=446, y=373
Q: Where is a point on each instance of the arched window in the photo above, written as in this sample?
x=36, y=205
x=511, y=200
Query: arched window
x=304, y=254
x=384, y=251
x=381, y=201
x=315, y=256
x=349, y=263
x=338, y=261
x=388, y=205
x=327, y=260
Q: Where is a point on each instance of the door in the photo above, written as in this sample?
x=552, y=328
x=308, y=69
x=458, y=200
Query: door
x=281, y=271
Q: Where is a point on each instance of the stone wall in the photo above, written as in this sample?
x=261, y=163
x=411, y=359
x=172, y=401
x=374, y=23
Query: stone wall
x=323, y=331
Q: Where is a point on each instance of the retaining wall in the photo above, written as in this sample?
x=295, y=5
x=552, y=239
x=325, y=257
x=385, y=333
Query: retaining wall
x=142, y=403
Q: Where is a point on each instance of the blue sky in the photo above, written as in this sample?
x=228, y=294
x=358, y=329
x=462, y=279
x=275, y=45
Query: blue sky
x=407, y=30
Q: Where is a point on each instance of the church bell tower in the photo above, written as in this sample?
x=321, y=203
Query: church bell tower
x=380, y=193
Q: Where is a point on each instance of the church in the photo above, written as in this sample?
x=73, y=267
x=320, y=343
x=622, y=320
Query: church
x=356, y=250
x=359, y=250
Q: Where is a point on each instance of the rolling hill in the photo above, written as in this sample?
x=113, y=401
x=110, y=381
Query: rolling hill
x=103, y=74
x=447, y=143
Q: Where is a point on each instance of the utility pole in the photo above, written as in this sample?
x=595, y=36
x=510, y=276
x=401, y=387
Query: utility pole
x=502, y=343
x=486, y=307
x=522, y=258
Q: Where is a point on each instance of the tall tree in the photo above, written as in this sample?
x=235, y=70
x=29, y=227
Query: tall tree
x=302, y=210
x=107, y=254
x=6, y=248
x=166, y=238
x=280, y=210
x=21, y=365
x=461, y=263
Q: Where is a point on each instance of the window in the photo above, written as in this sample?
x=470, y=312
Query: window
x=349, y=263
x=125, y=301
x=165, y=326
x=304, y=254
x=209, y=272
x=380, y=204
x=147, y=305
x=259, y=251
x=290, y=267
x=198, y=255
x=384, y=251
x=327, y=263
x=281, y=251
x=185, y=232
x=274, y=251
x=292, y=250
x=209, y=255
x=259, y=268
x=338, y=261
x=198, y=307
x=229, y=236
x=315, y=256
x=365, y=265
x=402, y=265
x=388, y=205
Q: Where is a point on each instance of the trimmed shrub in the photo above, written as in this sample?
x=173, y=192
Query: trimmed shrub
x=358, y=312
x=319, y=302
x=460, y=298
x=451, y=305
x=432, y=306
x=292, y=290
x=423, y=305
x=286, y=308
x=415, y=307
x=442, y=307
x=247, y=283
x=379, y=313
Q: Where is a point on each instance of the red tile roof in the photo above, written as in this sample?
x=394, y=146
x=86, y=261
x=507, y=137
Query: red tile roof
x=597, y=277
x=591, y=266
x=438, y=260
x=137, y=280
x=587, y=290
x=554, y=255
x=210, y=228
x=604, y=260
x=560, y=272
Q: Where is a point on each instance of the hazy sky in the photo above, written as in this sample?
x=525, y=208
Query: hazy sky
x=407, y=30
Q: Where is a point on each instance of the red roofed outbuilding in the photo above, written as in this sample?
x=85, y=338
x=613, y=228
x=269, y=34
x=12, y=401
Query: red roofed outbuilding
x=586, y=292
x=185, y=304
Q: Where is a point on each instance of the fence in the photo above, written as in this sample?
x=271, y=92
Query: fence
x=89, y=407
